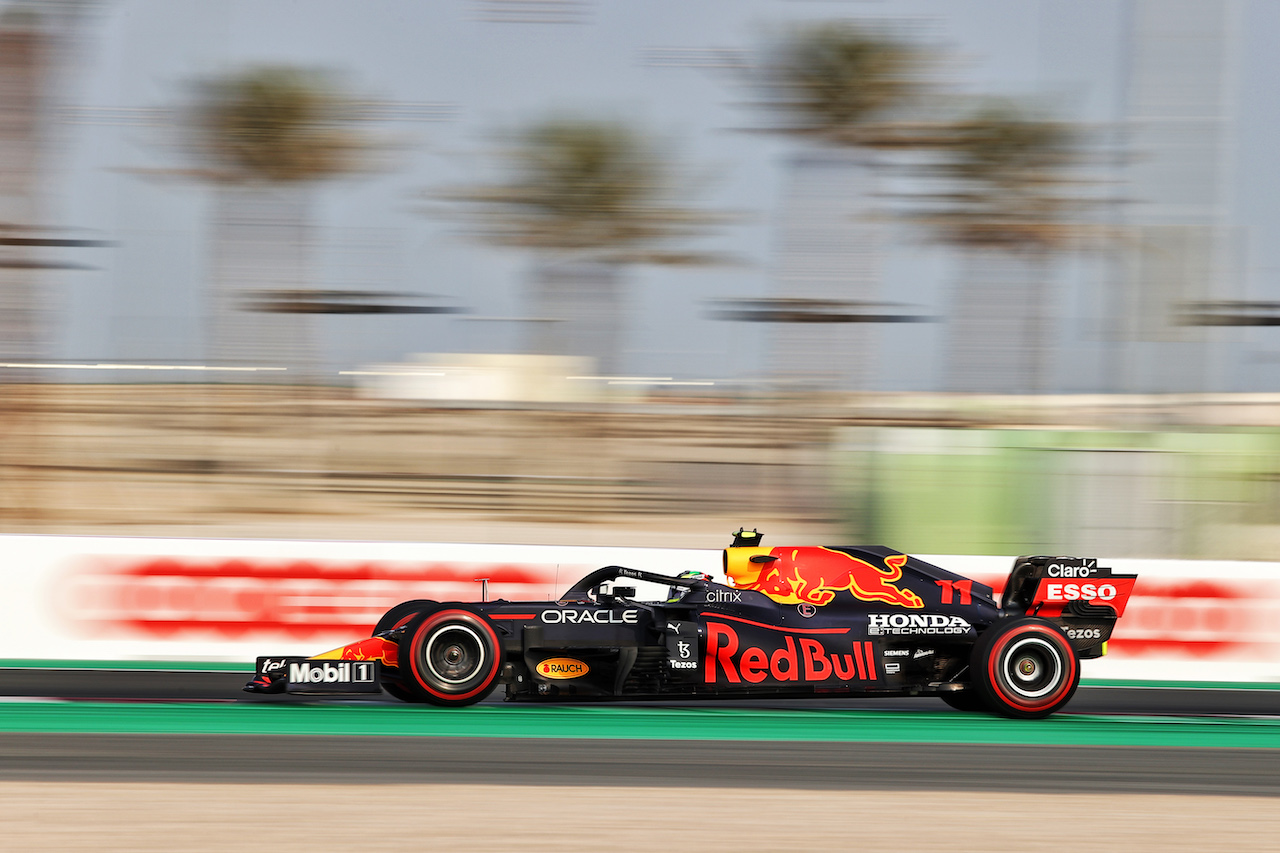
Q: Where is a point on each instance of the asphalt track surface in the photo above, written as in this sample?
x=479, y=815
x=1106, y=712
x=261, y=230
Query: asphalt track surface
x=684, y=760
x=200, y=686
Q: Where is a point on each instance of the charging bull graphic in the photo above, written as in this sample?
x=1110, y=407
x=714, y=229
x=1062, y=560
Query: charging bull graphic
x=373, y=648
x=815, y=575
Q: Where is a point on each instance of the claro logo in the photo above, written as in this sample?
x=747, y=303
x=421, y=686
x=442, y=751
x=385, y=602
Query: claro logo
x=1057, y=570
x=561, y=668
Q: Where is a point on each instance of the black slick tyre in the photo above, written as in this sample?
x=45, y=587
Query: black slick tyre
x=451, y=657
x=1024, y=668
x=397, y=617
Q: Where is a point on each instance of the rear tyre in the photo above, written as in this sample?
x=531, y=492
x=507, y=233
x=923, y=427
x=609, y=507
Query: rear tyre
x=450, y=657
x=395, y=618
x=964, y=700
x=1025, y=668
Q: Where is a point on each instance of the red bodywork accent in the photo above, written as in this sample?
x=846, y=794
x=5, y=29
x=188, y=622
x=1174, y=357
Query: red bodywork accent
x=1054, y=594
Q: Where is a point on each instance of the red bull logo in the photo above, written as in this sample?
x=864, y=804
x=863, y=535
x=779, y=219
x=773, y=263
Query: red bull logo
x=815, y=575
x=801, y=659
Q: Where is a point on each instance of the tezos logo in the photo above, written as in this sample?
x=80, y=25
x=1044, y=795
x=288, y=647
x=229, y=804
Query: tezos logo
x=561, y=668
x=912, y=624
x=598, y=617
x=1084, y=633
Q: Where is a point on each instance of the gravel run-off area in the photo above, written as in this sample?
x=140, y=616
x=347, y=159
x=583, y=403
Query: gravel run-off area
x=217, y=817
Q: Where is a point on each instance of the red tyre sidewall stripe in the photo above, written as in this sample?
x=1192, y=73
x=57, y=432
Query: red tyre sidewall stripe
x=430, y=623
x=993, y=668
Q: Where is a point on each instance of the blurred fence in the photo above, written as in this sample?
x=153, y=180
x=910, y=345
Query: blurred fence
x=256, y=460
x=1185, y=492
x=306, y=462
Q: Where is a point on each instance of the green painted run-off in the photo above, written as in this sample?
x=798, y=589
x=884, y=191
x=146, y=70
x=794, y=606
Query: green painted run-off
x=128, y=665
x=628, y=722
x=235, y=666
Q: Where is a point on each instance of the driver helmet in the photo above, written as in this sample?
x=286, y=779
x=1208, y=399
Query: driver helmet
x=675, y=593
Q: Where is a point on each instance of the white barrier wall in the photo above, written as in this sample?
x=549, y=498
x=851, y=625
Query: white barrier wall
x=107, y=598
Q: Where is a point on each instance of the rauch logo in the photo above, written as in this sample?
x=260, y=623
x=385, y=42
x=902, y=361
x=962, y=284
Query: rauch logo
x=560, y=668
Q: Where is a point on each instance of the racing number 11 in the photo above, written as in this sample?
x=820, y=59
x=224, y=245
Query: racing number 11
x=949, y=588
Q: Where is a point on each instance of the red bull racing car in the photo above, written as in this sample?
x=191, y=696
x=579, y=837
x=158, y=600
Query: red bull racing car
x=789, y=622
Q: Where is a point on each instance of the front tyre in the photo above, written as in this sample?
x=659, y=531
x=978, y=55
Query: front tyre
x=1025, y=668
x=398, y=617
x=450, y=657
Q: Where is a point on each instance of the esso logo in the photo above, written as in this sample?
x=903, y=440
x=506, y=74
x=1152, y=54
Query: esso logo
x=1079, y=591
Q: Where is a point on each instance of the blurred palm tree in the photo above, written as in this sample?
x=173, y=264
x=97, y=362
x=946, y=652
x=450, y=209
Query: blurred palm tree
x=589, y=197
x=274, y=124
x=1007, y=190
x=843, y=85
x=849, y=92
x=265, y=137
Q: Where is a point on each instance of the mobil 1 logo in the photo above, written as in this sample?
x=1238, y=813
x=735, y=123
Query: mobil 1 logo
x=334, y=676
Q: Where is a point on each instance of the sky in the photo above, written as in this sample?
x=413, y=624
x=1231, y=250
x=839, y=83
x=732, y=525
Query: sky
x=482, y=75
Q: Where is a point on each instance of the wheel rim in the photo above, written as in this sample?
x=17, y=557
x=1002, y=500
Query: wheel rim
x=1033, y=668
x=455, y=654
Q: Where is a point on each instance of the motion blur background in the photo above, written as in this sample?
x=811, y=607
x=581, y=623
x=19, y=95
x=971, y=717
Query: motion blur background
x=958, y=276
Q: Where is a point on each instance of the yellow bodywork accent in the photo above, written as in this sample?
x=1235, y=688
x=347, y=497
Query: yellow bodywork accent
x=738, y=566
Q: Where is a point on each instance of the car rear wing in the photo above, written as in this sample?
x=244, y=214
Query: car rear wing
x=1066, y=587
